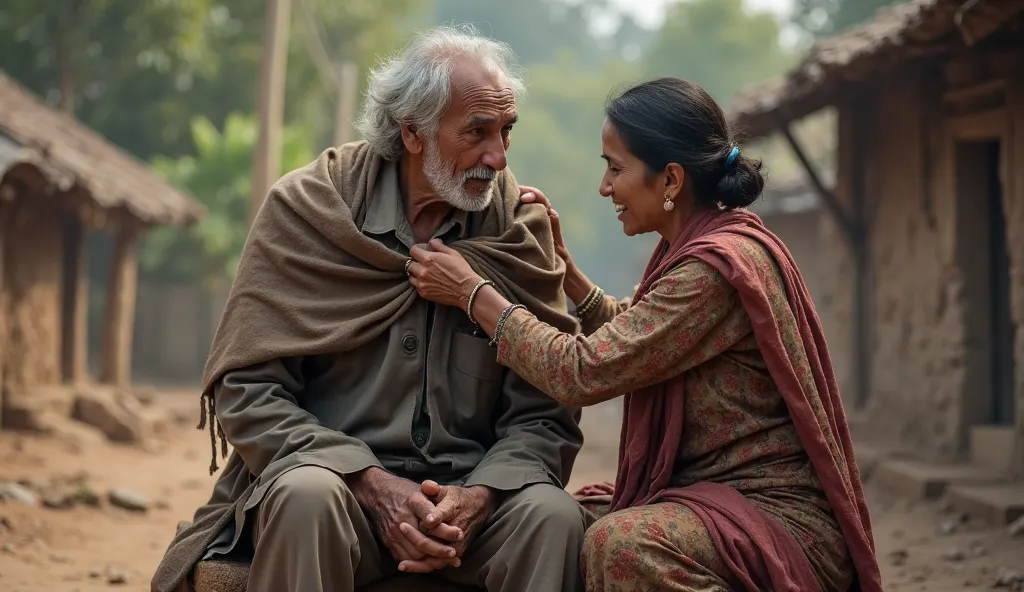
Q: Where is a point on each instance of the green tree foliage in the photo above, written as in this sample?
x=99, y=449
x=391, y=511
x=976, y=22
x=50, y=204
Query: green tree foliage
x=220, y=177
x=139, y=70
x=536, y=30
x=828, y=17
x=557, y=144
x=114, y=63
x=719, y=45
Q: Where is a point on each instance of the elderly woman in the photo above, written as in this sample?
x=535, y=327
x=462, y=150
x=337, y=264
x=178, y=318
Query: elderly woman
x=736, y=470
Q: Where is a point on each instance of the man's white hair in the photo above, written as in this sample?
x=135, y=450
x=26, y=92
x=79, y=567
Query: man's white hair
x=414, y=86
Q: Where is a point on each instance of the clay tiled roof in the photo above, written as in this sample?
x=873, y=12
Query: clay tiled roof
x=70, y=155
x=896, y=33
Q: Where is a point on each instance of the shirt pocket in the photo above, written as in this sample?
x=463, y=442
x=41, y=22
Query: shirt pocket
x=476, y=381
x=474, y=357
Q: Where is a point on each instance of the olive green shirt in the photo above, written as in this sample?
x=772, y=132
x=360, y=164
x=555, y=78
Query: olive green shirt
x=425, y=399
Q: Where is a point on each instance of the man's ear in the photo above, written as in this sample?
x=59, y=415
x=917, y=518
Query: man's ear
x=412, y=139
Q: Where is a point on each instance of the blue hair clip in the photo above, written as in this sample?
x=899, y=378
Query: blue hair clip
x=732, y=155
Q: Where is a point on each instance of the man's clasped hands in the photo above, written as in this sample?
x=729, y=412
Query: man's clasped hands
x=426, y=527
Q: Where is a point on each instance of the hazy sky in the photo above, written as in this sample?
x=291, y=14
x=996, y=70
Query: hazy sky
x=649, y=12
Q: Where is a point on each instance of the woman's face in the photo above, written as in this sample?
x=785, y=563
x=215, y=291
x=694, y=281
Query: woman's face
x=638, y=196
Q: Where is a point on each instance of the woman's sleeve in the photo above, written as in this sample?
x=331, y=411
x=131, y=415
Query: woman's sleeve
x=607, y=309
x=689, y=316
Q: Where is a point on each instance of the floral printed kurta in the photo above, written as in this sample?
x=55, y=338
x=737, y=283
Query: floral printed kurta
x=737, y=430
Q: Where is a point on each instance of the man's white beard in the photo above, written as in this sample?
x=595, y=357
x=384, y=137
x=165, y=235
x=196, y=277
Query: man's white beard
x=452, y=188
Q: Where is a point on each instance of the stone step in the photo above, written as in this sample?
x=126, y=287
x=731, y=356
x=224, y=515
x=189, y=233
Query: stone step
x=998, y=504
x=920, y=480
x=992, y=447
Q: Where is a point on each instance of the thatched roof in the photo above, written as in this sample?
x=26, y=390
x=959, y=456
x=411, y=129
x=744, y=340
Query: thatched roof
x=69, y=155
x=895, y=34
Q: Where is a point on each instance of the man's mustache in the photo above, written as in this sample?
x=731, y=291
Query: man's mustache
x=485, y=173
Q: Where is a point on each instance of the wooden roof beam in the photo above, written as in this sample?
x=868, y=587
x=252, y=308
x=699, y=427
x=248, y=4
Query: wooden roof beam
x=851, y=228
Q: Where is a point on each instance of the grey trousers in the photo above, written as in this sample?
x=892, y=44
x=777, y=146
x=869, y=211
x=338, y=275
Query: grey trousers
x=311, y=536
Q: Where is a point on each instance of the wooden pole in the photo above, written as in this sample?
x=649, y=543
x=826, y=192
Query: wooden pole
x=6, y=195
x=74, y=301
x=848, y=224
x=348, y=92
x=120, y=313
x=270, y=103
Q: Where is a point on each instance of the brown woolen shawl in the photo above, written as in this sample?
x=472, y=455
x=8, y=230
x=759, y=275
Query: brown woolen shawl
x=762, y=554
x=310, y=282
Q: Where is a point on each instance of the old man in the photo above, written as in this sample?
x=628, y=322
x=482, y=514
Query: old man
x=374, y=432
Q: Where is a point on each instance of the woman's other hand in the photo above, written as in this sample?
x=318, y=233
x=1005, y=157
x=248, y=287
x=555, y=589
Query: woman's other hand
x=440, y=274
x=576, y=284
x=533, y=195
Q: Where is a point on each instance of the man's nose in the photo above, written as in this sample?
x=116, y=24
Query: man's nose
x=494, y=155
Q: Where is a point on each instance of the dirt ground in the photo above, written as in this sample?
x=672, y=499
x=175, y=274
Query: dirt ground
x=97, y=547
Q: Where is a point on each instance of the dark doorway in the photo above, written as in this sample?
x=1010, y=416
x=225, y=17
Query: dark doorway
x=984, y=259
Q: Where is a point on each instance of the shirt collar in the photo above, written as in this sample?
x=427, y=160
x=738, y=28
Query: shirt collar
x=385, y=214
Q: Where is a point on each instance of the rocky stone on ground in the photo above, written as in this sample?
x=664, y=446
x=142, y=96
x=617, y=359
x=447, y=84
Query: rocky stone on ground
x=898, y=557
x=128, y=500
x=61, y=492
x=1010, y=579
x=953, y=555
x=1016, y=528
x=951, y=525
x=101, y=409
x=116, y=576
x=10, y=491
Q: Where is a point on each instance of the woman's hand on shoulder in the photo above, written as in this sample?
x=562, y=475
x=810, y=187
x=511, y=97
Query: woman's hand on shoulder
x=529, y=194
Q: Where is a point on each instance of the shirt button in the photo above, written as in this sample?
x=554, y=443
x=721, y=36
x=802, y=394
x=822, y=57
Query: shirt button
x=420, y=439
x=410, y=343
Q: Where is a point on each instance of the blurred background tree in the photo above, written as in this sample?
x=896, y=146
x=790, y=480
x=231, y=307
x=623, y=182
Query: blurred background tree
x=218, y=175
x=174, y=83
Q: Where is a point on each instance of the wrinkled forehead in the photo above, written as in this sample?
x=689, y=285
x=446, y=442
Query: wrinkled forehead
x=480, y=89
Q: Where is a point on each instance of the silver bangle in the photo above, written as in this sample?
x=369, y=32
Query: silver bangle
x=472, y=296
x=501, y=322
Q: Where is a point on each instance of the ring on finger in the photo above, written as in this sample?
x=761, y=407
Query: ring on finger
x=407, y=264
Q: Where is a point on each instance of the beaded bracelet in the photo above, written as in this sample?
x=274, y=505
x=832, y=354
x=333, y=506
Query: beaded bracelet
x=472, y=295
x=591, y=305
x=501, y=322
x=587, y=299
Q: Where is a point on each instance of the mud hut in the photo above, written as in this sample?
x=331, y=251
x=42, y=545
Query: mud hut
x=59, y=181
x=925, y=234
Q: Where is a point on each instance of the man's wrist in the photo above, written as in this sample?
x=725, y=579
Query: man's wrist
x=367, y=477
x=484, y=494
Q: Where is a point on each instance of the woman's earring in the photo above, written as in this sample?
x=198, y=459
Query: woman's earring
x=669, y=204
